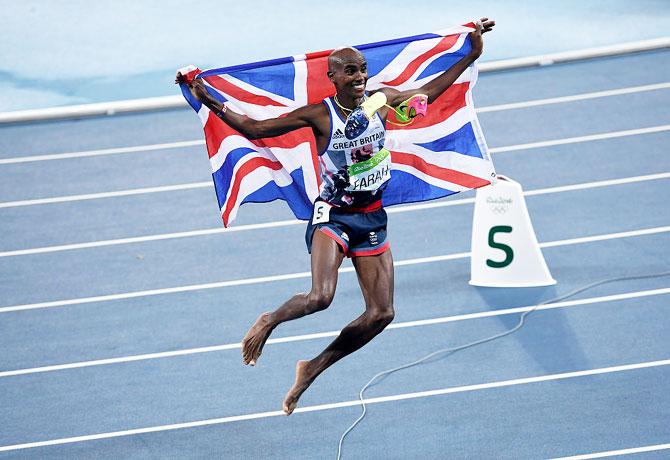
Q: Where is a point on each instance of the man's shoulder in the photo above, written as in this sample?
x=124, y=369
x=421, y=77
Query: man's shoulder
x=318, y=107
x=313, y=111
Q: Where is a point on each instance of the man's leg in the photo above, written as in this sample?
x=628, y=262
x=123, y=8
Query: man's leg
x=326, y=259
x=375, y=275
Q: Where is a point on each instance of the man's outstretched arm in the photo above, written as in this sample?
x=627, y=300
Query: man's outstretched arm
x=439, y=85
x=248, y=127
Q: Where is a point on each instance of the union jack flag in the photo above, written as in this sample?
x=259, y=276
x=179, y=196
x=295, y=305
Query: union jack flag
x=437, y=155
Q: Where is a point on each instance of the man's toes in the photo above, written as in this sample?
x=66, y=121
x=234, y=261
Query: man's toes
x=257, y=351
x=250, y=354
x=289, y=408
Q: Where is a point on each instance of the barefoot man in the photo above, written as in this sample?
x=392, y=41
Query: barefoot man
x=348, y=218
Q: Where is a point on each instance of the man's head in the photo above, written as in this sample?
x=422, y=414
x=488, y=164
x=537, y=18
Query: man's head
x=348, y=71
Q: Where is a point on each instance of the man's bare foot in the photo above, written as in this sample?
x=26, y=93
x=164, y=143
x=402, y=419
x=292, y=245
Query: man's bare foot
x=253, y=342
x=302, y=381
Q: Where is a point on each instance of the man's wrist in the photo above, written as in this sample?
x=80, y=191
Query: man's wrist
x=222, y=110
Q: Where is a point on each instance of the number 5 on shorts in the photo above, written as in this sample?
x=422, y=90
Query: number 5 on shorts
x=321, y=212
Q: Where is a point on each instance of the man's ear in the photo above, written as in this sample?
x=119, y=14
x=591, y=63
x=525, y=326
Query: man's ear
x=330, y=75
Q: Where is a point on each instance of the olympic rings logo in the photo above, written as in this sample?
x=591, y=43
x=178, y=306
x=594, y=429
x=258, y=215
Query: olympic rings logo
x=499, y=205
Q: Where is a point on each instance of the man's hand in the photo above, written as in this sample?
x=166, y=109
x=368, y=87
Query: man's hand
x=196, y=86
x=482, y=26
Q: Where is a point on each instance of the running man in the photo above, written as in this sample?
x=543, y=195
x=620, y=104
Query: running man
x=348, y=218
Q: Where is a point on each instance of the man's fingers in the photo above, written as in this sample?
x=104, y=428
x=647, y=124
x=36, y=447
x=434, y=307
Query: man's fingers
x=484, y=25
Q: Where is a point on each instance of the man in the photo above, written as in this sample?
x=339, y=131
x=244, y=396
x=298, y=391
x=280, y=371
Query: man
x=348, y=217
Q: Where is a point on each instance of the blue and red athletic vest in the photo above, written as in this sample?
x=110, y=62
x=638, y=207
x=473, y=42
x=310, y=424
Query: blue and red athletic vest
x=354, y=172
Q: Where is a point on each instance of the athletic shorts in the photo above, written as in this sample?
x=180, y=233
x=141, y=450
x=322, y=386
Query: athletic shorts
x=358, y=234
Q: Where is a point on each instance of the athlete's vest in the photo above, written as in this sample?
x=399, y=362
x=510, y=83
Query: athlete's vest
x=354, y=171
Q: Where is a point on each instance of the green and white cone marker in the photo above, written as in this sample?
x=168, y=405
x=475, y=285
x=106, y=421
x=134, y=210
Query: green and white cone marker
x=505, y=251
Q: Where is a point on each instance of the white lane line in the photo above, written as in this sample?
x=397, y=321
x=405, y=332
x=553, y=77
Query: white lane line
x=597, y=184
x=578, y=139
x=321, y=335
x=606, y=236
x=576, y=97
x=286, y=223
x=299, y=275
x=494, y=108
x=207, y=184
x=95, y=196
x=142, y=239
x=612, y=453
x=339, y=405
x=99, y=152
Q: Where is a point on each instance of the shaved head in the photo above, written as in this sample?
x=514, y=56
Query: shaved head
x=348, y=71
x=341, y=56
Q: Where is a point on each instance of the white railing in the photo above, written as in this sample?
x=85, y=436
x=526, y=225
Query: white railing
x=174, y=102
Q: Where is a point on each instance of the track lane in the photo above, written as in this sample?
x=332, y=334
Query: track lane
x=166, y=392
x=209, y=259
x=211, y=317
x=573, y=266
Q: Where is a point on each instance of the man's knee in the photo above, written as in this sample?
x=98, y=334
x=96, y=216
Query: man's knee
x=382, y=317
x=320, y=299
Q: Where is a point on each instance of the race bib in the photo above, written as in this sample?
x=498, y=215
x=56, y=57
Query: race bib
x=370, y=174
x=321, y=212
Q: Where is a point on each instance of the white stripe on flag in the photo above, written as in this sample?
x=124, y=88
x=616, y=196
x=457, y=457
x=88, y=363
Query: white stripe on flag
x=300, y=80
x=256, y=90
x=254, y=111
x=430, y=179
x=462, y=29
x=453, y=160
x=261, y=176
x=413, y=83
x=430, y=133
x=394, y=68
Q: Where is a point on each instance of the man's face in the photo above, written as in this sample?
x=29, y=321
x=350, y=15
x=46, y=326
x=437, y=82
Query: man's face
x=349, y=73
